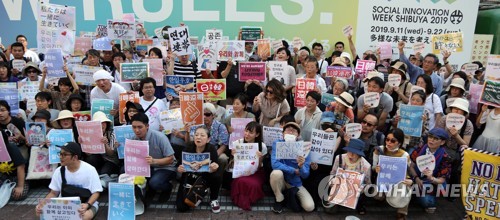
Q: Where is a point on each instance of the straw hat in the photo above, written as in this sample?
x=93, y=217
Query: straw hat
x=100, y=116
x=338, y=61
x=345, y=99
x=64, y=114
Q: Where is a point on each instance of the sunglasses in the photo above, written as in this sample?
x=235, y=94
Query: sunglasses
x=392, y=140
x=367, y=123
x=207, y=114
x=325, y=126
x=269, y=91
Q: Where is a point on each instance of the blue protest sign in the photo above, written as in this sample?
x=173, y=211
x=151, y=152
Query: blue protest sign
x=392, y=171
x=58, y=137
x=121, y=201
x=411, y=119
x=54, y=63
x=9, y=93
x=103, y=105
x=327, y=98
x=103, y=43
x=122, y=133
x=176, y=84
x=196, y=162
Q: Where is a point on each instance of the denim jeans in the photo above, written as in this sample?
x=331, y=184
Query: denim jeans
x=160, y=179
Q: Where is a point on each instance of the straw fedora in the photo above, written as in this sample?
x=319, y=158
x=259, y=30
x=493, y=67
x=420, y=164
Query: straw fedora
x=345, y=99
x=64, y=114
x=100, y=116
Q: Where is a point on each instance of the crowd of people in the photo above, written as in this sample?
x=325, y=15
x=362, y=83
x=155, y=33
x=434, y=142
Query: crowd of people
x=294, y=182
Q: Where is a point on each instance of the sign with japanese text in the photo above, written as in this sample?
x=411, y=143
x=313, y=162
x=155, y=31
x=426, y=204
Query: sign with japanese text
x=252, y=70
x=493, y=68
x=176, y=84
x=83, y=74
x=392, y=171
x=35, y=133
x=171, y=120
x=394, y=79
x=264, y=48
x=124, y=98
x=156, y=70
x=452, y=42
x=411, y=119
x=103, y=105
x=363, y=67
x=121, y=29
x=179, y=40
x=246, y=161
x=133, y=71
x=323, y=145
x=277, y=71
x=82, y=45
x=192, y=107
x=489, y=96
x=103, y=43
x=481, y=48
x=353, y=130
x=135, y=158
x=90, y=136
x=196, y=162
x=231, y=49
x=121, y=134
x=371, y=99
x=302, y=87
x=212, y=89
x=339, y=71
x=60, y=208
x=121, y=204
x=289, y=150
x=58, y=137
x=56, y=28
x=9, y=93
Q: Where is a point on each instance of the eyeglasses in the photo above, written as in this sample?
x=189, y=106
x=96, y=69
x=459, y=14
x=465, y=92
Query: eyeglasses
x=269, y=91
x=207, y=114
x=367, y=123
x=392, y=140
x=64, y=155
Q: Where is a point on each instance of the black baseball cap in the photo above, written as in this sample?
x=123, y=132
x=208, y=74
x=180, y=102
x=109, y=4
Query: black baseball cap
x=73, y=148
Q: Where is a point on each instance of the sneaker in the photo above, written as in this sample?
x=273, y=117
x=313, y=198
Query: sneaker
x=277, y=207
x=215, y=206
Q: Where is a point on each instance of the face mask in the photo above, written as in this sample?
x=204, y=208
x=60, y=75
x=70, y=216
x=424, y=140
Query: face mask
x=290, y=137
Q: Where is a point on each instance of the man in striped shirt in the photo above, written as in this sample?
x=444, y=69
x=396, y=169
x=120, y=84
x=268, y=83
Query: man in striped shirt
x=184, y=67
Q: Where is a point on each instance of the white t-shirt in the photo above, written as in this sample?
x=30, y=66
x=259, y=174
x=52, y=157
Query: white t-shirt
x=126, y=86
x=433, y=105
x=85, y=177
x=113, y=94
x=322, y=64
x=320, y=83
x=153, y=112
x=30, y=55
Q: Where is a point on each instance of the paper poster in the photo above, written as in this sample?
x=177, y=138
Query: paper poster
x=426, y=162
x=156, y=70
x=481, y=48
x=171, y=120
x=249, y=33
x=123, y=99
x=103, y=105
x=454, y=120
x=353, y=130
x=103, y=43
x=58, y=137
x=302, y=87
x=54, y=63
x=31, y=105
x=35, y=133
x=213, y=34
x=121, y=29
x=83, y=74
x=452, y=42
x=385, y=50
x=470, y=69
x=394, y=79
x=101, y=30
x=121, y=134
x=346, y=188
x=90, y=136
x=297, y=42
x=139, y=25
x=372, y=99
x=252, y=71
x=134, y=71
x=82, y=116
x=9, y=93
x=176, y=84
x=339, y=71
x=135, y=158
x=289, y=150
x=4, y=153
x=392, y=171
x=231, y=49
x=347, y=30
x=18, y=65
x=419, y=47
x=72, y=61
x=323, y=145
x=28, y=89
x=475, y=94
x=363, y=67
x=121, y=199
x=82, y=45
x=489, y=95
x=277, y=71
x=196, y=162
x=179, y=40
x=264, y=48
x=56, y=28
x=480, y=170
x=327, y=98
x=192, y=107
x=276, y=44
x=60, y=208
x=271, y=134
x=238, y=126
x=212, y=89
x=411, y=119
x=492, y=71
x=207, y=57
x=246, y=161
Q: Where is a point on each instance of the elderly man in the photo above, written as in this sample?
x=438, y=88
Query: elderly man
x=105, y=89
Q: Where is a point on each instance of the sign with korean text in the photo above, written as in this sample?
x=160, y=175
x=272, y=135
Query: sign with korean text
x=90, y=136
x=302, y=87
x=82, y=116
x=264, y=48
x=489, y=96
x=35, y=133
x=121, y=204
x=454, y=120
x=212, y=89
x=411, y=119
x=176, y=84
x=82, y=45
x=56, y=28
x=134, y=71
x=103, y=105
x=60, y=208
x=277, y=71
x=54, y=63
x=121, y=29
x=121, y=134
x=124, y=98
x=481, y=48
x=252, y=70
x=196, y=162
x=135, y=158
x=28, y=89
x=246, y=161
x=213, y=34
x=363, y=67
x=171, y=120
x=231, y=49
x=58, y=137
x=9, y=93
x=339, y=71
x=192, y=107
x=238, y=129
x=249, y=33
x=353, y=130
x=289, y=150
x=179, y=40
x=156, y=70
x=83, y=74
x=346, y=188
x=323, y=145
x=392, y=171
x=452, y=42
x=271, y=134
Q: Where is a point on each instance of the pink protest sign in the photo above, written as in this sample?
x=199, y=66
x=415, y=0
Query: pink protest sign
x=338, y=71
x=90, y=136
x=156, y=70
x=4, y=154
x=303, y=86
x=135, y=158
x=238, y=129
x=363, y=67
x=385, y=50
x=252, y=70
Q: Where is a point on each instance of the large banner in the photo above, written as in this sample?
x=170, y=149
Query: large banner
x=480, y=177
x=415, y=21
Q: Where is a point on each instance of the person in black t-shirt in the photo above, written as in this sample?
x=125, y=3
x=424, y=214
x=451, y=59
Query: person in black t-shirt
x=14, y=170
x=13, y=127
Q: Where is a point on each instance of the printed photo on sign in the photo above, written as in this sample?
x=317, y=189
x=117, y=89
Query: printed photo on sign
x=346, y=188
x=264, y=47
x=176, y=84
x=353, y=130
x=123, y=99
x=35, y=133
x=196, y=162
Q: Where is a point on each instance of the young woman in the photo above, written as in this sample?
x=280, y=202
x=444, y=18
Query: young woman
x=75, y=103
x=65, y=120
x=132, y=108
x=6, y=74
x=432, y=102
x=66, y=87
x=454, y=91
x=239, y=111
x=246, y=190
x=283, y=54
x=271, y=103
x=201, y=145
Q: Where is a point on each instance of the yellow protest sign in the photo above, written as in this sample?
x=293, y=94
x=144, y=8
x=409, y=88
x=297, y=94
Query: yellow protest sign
x=451, y=41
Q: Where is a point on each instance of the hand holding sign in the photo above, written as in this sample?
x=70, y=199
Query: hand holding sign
x=372, y=99
x=426, y=162
x=353, y=130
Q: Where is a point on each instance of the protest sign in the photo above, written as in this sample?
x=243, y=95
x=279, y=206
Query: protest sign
x=179, y=40
x=426, y=162
x=480, y=178
x=289, y=150
x=346, y=188
x=133, y=71
x=489, y=95
x=229, y=110
x=271, y=134
x=297, y=42
x=58, y=137
x=66, y=208
x=103, y=43
x=302, y=87
x=123, y=99
x=213, y=34
x=249, y=33
x=87, y=34
x=101, y=30
x=35, y=133
x=4, y=153
x=171, y=120
x=246, y=161
x=372, y=99
x=385, y=50
x=121, y=29
x=176, y=84
x=82, y=116
x=347, y=30
x=192, y=107
x=90, y=136
x=18, y=64
x=363, y=67
x=54, y=63
x=207, y=57
x=492, y=71
x=83, y=74
x=31, y=105
x=238, y=126
x=252, y=71
x=103, y=105
x=212, y=89
x=470, y=68
x=156, y=70
x=121, y=204
x=121, y=134
x=230, y=49
x=72, y=61
x=481, y=48
x=419, y=47
x=264, y=48
x=82, y=45
x=451, y=41
x=394, y=79
x=196, y=162
x=392, y=171
x=323, y=145
x=56, y=28
x=475, y=94
x=339, y=71
x=28, y=89
x=135, y=158
x=454, y=120
x=9, y=93
x=277, y=71
x=276, y=44
x=327, y=98
x=141, y=45
x=353, y=130
x=411, y=119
